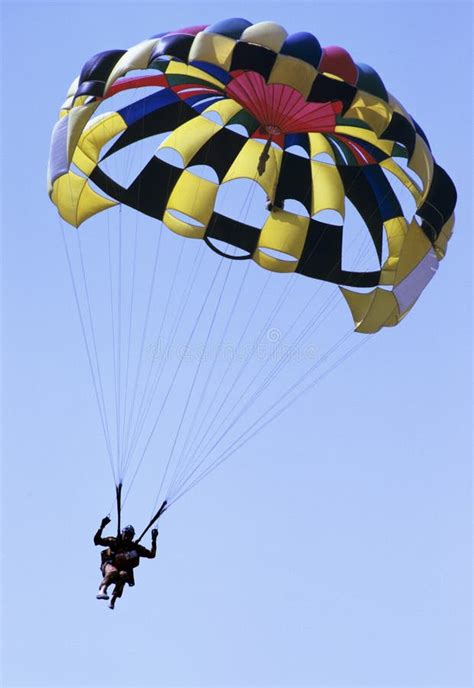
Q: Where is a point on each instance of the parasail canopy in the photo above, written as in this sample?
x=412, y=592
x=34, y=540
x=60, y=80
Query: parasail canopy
x=283, y=91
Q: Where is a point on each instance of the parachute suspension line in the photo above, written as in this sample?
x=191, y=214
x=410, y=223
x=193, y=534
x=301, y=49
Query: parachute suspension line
x=119, y=345
x=170, y=341
x=326, y=309
x=151, y=289
x=277, y=368
x=183, y=459
x=242, y=215
x=256, y=394
x=245, y=207
x=175, y=375
x=178, y=318
x=96, y=380
x=98, y=386
x=344, y=356
x=242, y=439
x=308, y=329
x=184, y=302
x=246, y=362
x=245, y=436
x=192, y=424
x=262, y=367
x=114, y=347
x=193, y=330
x=235, y=447
x=129, y=335
x=145, y=406
x=91, y=324
x=198, y=369
x=220, y=384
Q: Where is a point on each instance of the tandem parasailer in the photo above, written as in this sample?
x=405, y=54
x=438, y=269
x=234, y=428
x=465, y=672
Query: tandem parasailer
x=122, y=554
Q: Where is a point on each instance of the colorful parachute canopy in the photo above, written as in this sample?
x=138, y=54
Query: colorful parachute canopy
x=283, y=91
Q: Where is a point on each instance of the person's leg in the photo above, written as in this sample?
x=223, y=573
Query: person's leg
x=110, y=575
x=118, y=589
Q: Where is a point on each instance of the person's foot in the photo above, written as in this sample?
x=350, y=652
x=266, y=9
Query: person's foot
x=112, y=603
x=102, y=595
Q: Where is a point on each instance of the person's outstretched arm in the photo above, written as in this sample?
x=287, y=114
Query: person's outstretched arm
x=149, y=553
x=98, y=539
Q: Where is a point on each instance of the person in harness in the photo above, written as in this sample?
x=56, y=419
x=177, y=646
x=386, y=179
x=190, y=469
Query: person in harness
x=119, y=559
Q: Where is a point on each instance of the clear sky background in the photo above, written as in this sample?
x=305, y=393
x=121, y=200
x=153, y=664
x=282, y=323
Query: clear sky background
x=334, y=549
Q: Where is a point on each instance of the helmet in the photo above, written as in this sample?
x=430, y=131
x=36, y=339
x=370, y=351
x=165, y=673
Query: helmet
x=128, y=530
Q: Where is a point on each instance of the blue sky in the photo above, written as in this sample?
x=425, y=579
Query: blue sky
x=334, y=548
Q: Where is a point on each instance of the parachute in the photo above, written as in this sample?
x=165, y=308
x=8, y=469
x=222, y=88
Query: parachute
x=314, y=132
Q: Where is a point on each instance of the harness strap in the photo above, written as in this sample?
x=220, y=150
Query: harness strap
x=118, y=489
x=160, y=511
